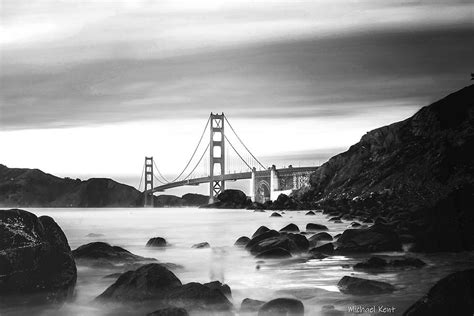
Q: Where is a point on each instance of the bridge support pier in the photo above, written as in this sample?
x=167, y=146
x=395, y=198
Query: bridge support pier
x=274, y=183
x=217, y=155
x=253, y=185
x=147, y=193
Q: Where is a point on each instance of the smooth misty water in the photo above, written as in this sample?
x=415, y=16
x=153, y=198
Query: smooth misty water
x=312, y=281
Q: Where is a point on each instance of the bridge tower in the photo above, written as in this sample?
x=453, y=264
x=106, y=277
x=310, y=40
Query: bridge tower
x=217, y=155
x=148, y=195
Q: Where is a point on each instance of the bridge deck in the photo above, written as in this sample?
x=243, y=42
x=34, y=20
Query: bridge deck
x=232, y=177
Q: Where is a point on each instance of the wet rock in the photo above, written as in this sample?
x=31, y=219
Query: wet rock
x=326, y=248
x=242, y=241
x=282, y=307
x=301, y=242
x=359, y=286
x=323, y=236
x=407, y=262
x=372, y=239
x=257, y=207
x=169, y=311
x=196, y=296
x=315, y=227
x=274, y=253
x=355, y=224
x=151, y=281
x=371, y=263
x=335, y=218
x=35, y=258
x=452, y=295
x=275, y=214
x=316, y=255
x=310, y=213
x=257, y=239
x=156, y=242
x=293, y=243
x=250, y=305
x=201, y=245
x=217, y=285
x=291, y=228
x=231, y=199
x=284, y=202
x=337, y=236
x=113, y=276
x=103, y=254
x=260, y=230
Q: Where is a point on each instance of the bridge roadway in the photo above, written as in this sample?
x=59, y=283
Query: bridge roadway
x=233, y=177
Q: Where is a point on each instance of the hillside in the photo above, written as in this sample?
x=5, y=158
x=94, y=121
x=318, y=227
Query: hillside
x=21, y=187
x=413, y=173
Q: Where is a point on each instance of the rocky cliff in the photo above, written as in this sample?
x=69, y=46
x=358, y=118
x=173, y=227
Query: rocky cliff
x=31, y=187
x=407, y=172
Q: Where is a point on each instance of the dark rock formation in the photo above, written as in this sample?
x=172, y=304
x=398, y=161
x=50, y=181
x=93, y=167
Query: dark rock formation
x=158, y=242
x=282, y=306
x=201, y=245
x=372, y=239
x=326, y=248
x=452, y=295
x=217, y=285
x=275, y=214
x=292, y=243
x=375, y=263
x=310, y=213
x=315, y=227
x=260, y=230
x=284, y=202
x=371, y=263
x=249, y=305
x=32, y=187
x=169, y=311
x=323, y=236
x=101, y=253
x=358, y=286
x=291, y=228
x=193, y=199
x=196, y=296
x=274, y=253
x=189, y=199
x=35, y=259
x=242, y=241
x=232, y=199
x=417, y=174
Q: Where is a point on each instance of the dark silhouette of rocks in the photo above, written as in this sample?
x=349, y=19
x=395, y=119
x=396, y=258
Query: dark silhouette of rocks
x=231, y=199
x=242, y=241
x=310, y=213
x=452, y=295
x=274, y=253
x=187, y=200
x=103, y=254
x=217, y=285
x=282, y=306
x=373, y=239
x=322, y=236
x=326, y=248
x=193, y=199
x=311, y=227
x=35, y=259
x=375, y=263
x=416, y=174
x=273, y=240
x=157, y=242
x=359, y=286
x=169, y=311
x=201, y=245
x=249, y=305
x=260, y=230
x=275, y=214
x=292, y=228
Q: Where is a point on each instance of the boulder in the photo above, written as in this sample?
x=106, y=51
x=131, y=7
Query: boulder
x=201, y=245
x=359, y=286
x=157, y=242
x=196, y=296
x=231, y=199
x=275, y=214
x=274, y=253
x=316, y=255
x=310, y=213
x=290, y=228
x=256, y=207
x=151, y=281
x=407, y=262
x=452, y=295
x=292, y=243
x=300, y=241
x=101, y=253
x=285, y=202
x=282, y=307
x=315, y=227
x=35, y=258
x=260, y=230
x=217, y=285
x=326, y=248
x=249, y=305
x=323, y=236
x=242, y=241
x=372, y=239
x=371, y=263
x=169, y=311
x=266, y=235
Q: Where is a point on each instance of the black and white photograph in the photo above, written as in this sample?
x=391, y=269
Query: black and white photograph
x=236, y=158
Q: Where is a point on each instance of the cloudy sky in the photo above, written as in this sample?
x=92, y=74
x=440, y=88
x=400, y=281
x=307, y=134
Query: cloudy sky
x=88, y=88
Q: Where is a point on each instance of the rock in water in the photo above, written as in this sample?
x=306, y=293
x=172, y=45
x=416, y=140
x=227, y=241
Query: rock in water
x=372, y=263
x=260, y=230
x=147, y=282
x=452, y=295
x=310, y=213
x=275, y=214
x=315, y=227
x=372, y=239
x=169, y=311
x=274, y=253
x=282, y=307
x=249, y=305
x=291, y=228
x=242, y=241
x=158, y=242
x=201, y=245
x=101, y=253
x=35, y=258
x=217, y=285
x=358, y=286
x=233, y=199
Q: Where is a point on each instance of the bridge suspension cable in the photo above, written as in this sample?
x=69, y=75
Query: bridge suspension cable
x=160, y=174
x=240, y=140
x=230, y=143
x=199, y=161
x=141, y=178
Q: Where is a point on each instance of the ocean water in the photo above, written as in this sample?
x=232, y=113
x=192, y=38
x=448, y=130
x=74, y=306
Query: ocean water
x=312, y=281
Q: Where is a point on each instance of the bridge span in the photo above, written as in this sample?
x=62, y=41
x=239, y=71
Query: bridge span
x=266, y=183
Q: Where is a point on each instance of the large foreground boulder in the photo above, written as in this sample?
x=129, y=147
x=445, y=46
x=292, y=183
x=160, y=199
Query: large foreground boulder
x=282, y=307
x=35, y=258
x=103, y=254
x=372, y=239
x=359, y=286
x=452, y=295
x=233, y=199
x=262, y=244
